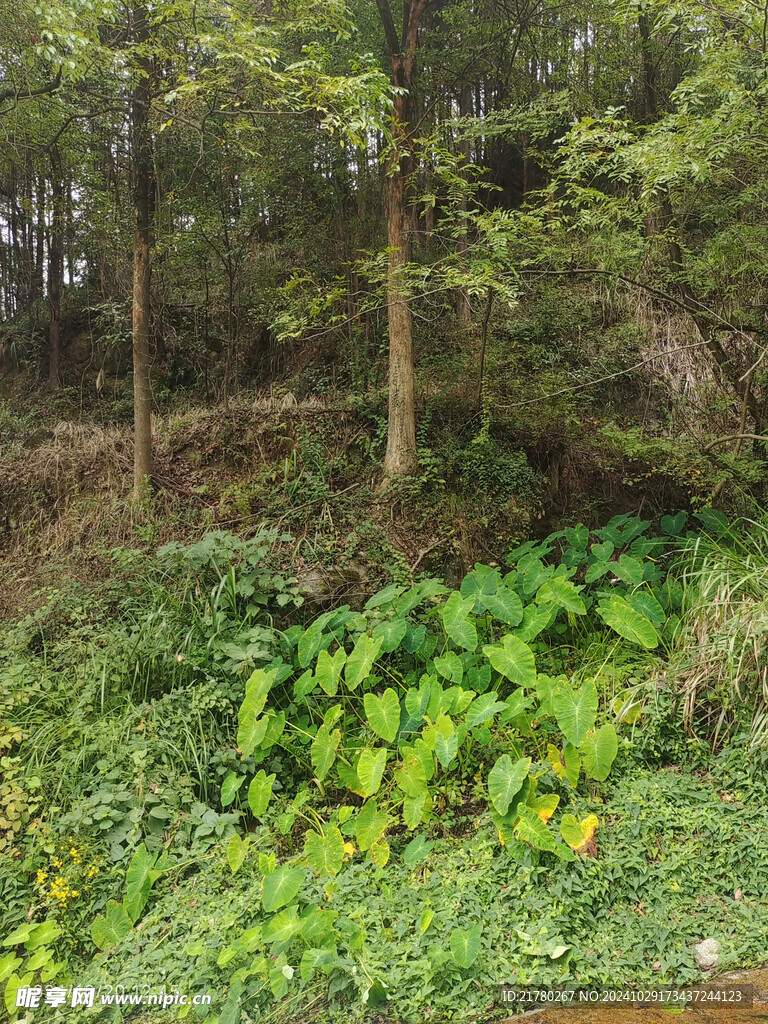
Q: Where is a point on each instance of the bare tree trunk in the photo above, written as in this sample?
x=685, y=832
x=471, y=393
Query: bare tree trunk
x=400, y=459
x=55, y=271
x=142, y=168
x=463, y=308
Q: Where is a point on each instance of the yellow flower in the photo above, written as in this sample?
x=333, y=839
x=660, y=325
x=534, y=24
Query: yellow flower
x=41, y=876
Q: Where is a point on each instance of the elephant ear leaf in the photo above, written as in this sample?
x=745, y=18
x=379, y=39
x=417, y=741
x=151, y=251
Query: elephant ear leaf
x=575, y=710
x=598, y=752
x=465, y=944
x=628, y=622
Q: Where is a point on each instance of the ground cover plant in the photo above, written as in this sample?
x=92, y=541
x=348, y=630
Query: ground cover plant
x=388, y=809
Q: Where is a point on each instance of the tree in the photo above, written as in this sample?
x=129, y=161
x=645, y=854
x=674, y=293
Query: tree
x=400, y=459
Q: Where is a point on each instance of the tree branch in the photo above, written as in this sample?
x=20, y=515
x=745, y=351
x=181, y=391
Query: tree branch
x=393, y=43
x=14, y=94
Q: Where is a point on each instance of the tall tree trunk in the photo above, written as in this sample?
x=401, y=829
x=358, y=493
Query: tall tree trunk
x=142, y=203
x=55, y=270
x=39, y=236
x=400, y=459
x=463, y=308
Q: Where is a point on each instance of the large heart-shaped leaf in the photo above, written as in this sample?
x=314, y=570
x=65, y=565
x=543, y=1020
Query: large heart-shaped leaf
x=504, y=605
x=598, y=752
x=627, y=622
x=328, y=670
x=483, y=708
x=505, y=780
x=674, y=525
x=383, y=713
x=370, y=769
x=513, y=659
x=251, y=729
x=480, y=583
x=411, y=776
x=575, y=710
x=391, y=632
x=446, y=740
x=281, y=886
x=529, y=828
x=628, y=569
x=449, y=666
x=455, y=621
x=109, y=930
x=370, y=824
x=325, y=853
x=465, y=944
x=323, y=750
x=360, y=661
x=260, y=792
x=562, y=592
x=237, y=848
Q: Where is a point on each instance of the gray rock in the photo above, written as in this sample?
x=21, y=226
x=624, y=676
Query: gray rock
x=707, y=953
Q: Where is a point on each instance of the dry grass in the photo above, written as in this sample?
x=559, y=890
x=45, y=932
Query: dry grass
x=722, y=664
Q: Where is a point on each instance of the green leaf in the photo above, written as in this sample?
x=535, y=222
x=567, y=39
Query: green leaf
x=230, y=787
x=414, y=637
x=391, y=634
x=446, y=740
x=260, y=792
x=413, y=809
x=598, y=752
x=370, y=824
x=513, y=659
x=449, y=666
x=237, y=848
x=311, y=641
x=42, y=935
x=563, y=593
x=383, y=714
x=141, y=873
x=455, y=621
x=328, y=670
x=385, y=596
x=648, y=606
x=482, y=582
x=323, y=750
x=483, y=708
x=628, y=569
x=370, y=769
x=411, y=776
x=280, y=887
x=259, y=684
x=504, y=605
x=325, y=853
x=624, y=620
x=465, y=944
x=283, y=926
x=505, y=780
x=360, y=661
x=417, y=850
x=529, y=828
x=251, y=729
x=575, y=710
x=313, y=960
x=674, y=525
x=111, y=929
x=535, y=619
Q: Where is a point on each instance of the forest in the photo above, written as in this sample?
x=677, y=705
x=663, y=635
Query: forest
x=383, y=511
